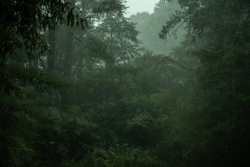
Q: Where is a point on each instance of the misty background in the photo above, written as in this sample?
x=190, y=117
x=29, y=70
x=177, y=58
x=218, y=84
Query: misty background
x=115, y=83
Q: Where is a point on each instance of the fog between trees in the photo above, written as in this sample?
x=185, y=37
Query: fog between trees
x=83, y=85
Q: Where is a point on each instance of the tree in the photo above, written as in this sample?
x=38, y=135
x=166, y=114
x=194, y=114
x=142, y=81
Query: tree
x=219, y=43
x=32, y=18
x=120, y=36
x=23, y=70
x=149, y=26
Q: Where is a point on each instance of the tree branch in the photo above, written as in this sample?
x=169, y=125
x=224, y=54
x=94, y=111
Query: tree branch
x=175, y=62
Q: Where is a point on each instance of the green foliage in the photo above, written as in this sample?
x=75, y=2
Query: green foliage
x=23, y=24
x=15, y=75
x=98, y=100
x=122, y=155
x=218, y=42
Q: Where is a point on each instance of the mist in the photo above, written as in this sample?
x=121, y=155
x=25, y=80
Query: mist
x=115, y=83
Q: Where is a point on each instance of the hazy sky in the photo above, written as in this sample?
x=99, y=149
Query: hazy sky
x=140, y=6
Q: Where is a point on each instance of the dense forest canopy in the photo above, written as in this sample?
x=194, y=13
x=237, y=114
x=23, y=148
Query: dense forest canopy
x=83, y=85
